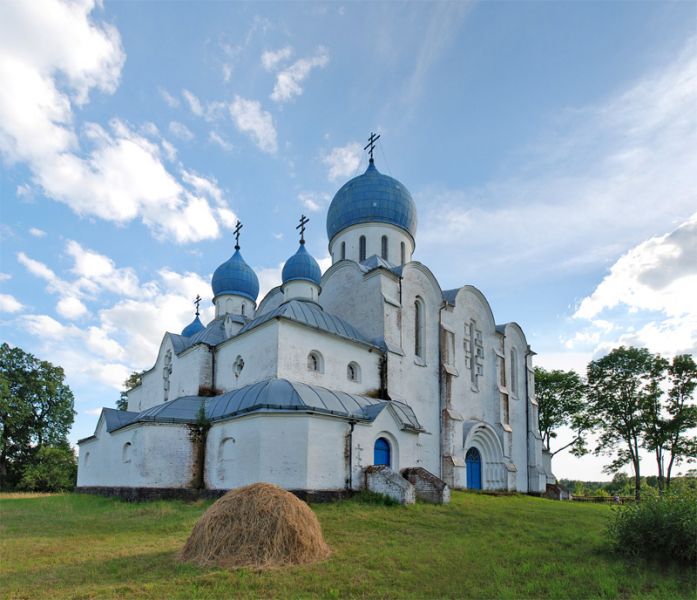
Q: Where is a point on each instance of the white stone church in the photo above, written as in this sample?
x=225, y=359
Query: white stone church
x=371, y=363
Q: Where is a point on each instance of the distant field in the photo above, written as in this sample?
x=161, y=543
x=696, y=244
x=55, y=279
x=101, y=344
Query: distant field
x=75, y=546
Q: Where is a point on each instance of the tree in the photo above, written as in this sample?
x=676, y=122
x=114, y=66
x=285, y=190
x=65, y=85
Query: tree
x=53, y=469
x=36, y=410
x=655, y=426
x=134, y=379
x=683, y=415
x=620, y=386
x=560, y=397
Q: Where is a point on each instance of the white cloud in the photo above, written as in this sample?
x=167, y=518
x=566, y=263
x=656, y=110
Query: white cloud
x=5, y=276
x=270, y=59
x=180, y=131
x=193, y=102
x=37, y=233
x=10, y=304
x=71, y=308
x=312, y=201
x=269, y=278
x=647, y=298
x=288, y=80
x=52, y=54
x=343, y=161
x=250, y=118
x=218, y=139
x=170, y=100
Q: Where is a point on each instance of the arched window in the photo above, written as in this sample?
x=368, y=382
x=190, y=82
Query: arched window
x=473, y=460
x=403, y=250
x=381, y=452
x=353, y=372
x=243, y=309
x=419, y=327
x=343, y=250
x=87, y=458
x=126, y=452
x=361, y=248
x=384, y=247
x=514, y=372
x=314, y=362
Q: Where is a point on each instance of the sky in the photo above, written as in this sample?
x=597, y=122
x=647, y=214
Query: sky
x=550, y=147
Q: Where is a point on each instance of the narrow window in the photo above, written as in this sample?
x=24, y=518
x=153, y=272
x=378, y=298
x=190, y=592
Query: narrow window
x=506, y=409
x=514, y=372
x=126, y=452
x=343, y=250
x=381, y=452
x=361, y=248
x=353, y=372
x=419, y=327
x=384, y=247
x=403, y=250
x=243, y=309
x=314, y=362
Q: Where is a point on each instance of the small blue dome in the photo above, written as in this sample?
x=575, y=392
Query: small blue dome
x=371, y=198
x=193, y=328
x=236, y=277
x=301, y=267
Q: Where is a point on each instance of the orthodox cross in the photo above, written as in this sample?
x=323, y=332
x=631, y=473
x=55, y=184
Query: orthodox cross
x=237, y=234
x=197, y=302
x=303, y=221
x=371, y=144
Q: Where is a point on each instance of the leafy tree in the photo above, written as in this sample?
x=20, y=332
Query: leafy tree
x=620, y=386
x=561, y=402
x=53, y=469
x=134, y=379
x=36, y=410
x=683, y=415
x=654, y=422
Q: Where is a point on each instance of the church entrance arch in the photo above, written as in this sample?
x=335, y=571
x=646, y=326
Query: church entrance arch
x=473, y=460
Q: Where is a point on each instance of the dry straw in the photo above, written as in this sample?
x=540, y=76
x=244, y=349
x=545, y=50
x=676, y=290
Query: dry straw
x=259, y=526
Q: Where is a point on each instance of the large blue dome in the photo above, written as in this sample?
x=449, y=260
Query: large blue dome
x=301, y=267
x=193, y=328
x=372, y=198
x=236, y=277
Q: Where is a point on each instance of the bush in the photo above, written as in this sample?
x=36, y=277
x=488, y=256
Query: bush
x=53, y=469
x=657, y=528
x=368, y=497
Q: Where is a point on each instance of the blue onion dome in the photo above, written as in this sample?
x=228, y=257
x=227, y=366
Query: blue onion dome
x=372, y=198
x=236, y=277
x=193, y=328
x=301, y=267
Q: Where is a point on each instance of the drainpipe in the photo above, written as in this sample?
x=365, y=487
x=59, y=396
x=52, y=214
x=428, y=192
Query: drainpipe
x=212, y=350
x=441, y=387
x=527, y=419
x=349, y=478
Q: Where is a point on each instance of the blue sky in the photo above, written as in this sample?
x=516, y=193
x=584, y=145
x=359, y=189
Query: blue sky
x=550, y=148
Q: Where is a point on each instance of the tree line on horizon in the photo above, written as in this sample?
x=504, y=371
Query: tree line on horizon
x=630, y=399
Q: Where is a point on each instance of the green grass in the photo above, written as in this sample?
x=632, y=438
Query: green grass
x=78, y=546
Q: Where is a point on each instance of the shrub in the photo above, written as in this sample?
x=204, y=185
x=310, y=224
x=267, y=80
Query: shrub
x=368, y=497
x=53, y=469
x=657, y=528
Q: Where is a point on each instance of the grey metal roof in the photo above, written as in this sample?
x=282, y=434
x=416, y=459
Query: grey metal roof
x=312, y=315
x=270, y=395
x=213, y=334
x=449, y=295
x=375, y=262
x=116, y=419
x=501, y=328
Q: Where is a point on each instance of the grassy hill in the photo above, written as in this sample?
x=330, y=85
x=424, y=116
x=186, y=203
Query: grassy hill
x=77, y=546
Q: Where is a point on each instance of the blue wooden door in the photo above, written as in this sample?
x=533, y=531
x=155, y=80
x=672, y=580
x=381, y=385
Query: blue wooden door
x=473, y=460
x=381, y=453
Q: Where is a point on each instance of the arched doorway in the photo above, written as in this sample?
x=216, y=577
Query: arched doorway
x=381, y=452
x=473, y=461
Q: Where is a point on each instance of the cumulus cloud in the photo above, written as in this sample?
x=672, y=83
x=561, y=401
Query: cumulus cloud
x=219, y=140
x=10, y=304
x=71, y=308
x=52, y=55
x=288, y=80
x=36, y=232
x=313, y=201
x=180, y=131
x=343, y=161
x=250, y=118
x=271, y=58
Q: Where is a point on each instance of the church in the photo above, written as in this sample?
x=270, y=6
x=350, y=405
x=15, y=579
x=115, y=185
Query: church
x=329, y=375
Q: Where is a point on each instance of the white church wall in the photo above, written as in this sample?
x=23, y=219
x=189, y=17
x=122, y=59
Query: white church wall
x=373, y=233
x=228, y=304
x=144, y=455
x=365, y=309
x=294, y=451
x=415, y=379
x=151, y=390
x=258, y=351
x=297, y=341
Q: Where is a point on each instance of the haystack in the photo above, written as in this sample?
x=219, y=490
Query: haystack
x=259, y=526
